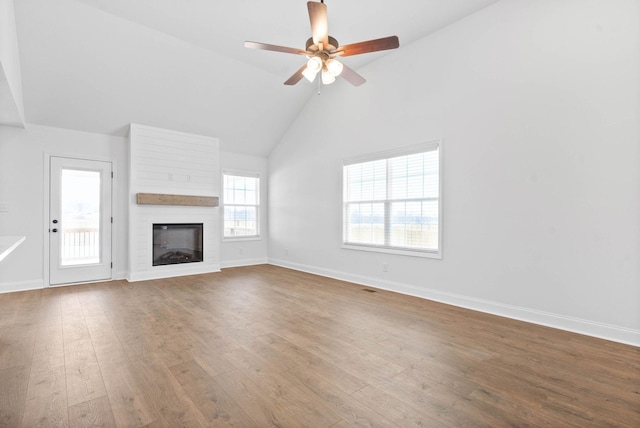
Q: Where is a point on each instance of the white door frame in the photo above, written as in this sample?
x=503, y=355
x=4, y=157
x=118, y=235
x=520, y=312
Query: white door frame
x=46, y=214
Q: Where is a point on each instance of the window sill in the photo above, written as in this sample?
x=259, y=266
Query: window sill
x=422, y=254
x=241, y=238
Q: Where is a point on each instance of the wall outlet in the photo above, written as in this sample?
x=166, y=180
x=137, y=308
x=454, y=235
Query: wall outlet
x=286, y=252
x=241, y=251
x=385, y=267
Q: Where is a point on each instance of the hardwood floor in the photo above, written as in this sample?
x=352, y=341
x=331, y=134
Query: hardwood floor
x=265, y=346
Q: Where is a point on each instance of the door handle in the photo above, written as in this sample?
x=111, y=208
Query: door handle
x=54, y=230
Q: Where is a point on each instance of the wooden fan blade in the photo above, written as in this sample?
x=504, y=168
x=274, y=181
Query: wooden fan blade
x=276, y=48
x=319, y=22
x=351, y=76
x=383, y=44
x=296, y=76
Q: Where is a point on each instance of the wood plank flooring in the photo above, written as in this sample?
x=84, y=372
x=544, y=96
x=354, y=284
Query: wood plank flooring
x=265, y=346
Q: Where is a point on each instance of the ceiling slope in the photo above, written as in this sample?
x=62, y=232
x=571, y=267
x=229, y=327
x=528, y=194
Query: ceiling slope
x=97, y=65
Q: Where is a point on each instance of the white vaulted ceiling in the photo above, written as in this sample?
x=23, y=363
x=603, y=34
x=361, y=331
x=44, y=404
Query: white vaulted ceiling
x=98, y=65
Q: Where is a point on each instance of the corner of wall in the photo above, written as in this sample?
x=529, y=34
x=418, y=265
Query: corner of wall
x=11, y=101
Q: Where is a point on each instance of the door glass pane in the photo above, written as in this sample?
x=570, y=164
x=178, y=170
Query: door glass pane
x=80, y=223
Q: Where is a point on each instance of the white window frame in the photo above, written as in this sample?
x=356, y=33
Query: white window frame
x=404, y=151
x=257, y=236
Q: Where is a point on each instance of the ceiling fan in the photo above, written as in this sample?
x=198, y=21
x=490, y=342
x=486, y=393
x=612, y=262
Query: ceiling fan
x=322, y=50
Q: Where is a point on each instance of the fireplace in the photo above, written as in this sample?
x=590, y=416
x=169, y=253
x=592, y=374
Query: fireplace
x=175, y=243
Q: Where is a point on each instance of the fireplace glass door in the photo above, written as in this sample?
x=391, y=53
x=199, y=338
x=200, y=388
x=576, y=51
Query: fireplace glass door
x=175, y=243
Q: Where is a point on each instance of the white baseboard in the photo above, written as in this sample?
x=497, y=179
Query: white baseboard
x=10, y=287
x=172, y=271
x=243, y=262
x=576, y=325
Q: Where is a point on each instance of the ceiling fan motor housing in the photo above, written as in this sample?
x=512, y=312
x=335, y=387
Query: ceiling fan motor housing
x=333, y=45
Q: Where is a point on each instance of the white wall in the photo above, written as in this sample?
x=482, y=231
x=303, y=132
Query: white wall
x=11, y=103
x=253, y=251
x=22, y=187
x=538, y=106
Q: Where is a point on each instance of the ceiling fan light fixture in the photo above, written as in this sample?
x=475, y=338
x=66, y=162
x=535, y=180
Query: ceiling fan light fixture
x=309, y=74
x=314, y=64
x=327, y=77
x=334, y=67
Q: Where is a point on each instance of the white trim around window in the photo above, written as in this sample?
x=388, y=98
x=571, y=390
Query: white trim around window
x=392, y=201
x=240, y=206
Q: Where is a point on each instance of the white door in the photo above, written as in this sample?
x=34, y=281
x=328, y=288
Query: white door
x=79, y=221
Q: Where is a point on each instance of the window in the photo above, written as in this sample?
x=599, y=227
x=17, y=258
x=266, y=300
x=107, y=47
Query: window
x=392, y=202
x=241, y=200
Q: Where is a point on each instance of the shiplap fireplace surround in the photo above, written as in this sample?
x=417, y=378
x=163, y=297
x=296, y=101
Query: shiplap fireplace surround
x=171, y=174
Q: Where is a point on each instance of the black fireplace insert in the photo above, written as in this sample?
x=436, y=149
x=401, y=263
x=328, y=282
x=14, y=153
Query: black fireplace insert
x=175, y=243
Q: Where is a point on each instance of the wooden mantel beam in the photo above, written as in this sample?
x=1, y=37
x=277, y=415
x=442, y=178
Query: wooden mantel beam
x=183, y=200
